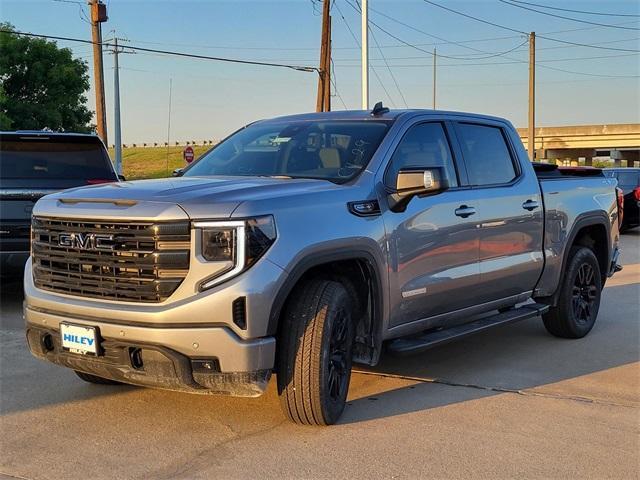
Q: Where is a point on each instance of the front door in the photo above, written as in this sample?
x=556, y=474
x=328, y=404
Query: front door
x=434, y=243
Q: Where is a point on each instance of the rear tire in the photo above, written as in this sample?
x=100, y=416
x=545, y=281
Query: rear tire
x=87, y=377
x=315, y=353
x=579, y=299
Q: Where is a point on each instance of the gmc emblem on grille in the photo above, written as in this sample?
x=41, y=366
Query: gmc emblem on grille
x=86, y=241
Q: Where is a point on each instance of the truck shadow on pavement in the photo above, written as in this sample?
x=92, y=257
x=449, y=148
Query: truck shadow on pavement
x=28, y=383
x=514, y=357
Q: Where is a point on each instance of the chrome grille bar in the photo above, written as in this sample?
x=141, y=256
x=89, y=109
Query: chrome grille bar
x=146, y=261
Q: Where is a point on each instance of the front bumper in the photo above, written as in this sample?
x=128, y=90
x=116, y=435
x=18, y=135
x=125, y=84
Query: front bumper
x=197, y=360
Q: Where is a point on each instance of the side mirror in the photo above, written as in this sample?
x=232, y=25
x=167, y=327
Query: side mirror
x=412, y=182
x=122, y=178
x=177, y=172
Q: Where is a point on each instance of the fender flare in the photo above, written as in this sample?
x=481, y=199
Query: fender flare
x=587, y=219
x=329, y=255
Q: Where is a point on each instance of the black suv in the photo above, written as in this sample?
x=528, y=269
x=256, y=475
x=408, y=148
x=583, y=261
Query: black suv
x=629, y=183
x=33, y=164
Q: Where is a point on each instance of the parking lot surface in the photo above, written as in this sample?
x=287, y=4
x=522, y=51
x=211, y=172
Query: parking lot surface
x=510, y=402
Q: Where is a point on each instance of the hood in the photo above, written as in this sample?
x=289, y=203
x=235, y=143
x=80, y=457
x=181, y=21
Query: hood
x=198, y=197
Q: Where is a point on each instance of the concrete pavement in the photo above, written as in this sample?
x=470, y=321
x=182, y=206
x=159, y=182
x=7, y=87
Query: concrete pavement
x=511, y=402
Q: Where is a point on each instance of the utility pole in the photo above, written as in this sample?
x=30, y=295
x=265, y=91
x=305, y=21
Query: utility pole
x=434, y=78
x=327, y=85
x=98, y=16
x=116, y=107
x=531, y=143
x=365, y=54
x=323, y=101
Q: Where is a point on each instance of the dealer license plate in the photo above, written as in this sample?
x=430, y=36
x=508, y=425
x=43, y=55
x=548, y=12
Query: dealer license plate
x=79, y=338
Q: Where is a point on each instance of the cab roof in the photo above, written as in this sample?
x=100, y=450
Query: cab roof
x=390, y=115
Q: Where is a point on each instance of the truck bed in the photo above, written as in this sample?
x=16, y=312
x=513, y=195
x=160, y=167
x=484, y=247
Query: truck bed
x=571, y=195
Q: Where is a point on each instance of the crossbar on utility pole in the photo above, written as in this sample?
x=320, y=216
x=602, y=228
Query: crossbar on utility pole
x=365, y=54
x=99, y=15
x=531, y=142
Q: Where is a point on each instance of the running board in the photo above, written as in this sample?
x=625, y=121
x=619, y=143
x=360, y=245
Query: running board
x=425, y=341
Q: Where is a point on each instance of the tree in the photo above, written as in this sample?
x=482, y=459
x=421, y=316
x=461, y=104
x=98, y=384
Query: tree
x=41, y=85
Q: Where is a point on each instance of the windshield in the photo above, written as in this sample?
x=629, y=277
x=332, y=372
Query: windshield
x=54, y=160
x=331, y=150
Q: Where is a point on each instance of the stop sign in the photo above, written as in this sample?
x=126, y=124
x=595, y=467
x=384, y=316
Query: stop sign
x=188, y=154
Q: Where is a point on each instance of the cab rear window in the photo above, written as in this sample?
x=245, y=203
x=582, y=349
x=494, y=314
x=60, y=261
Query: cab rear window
x=41, y=159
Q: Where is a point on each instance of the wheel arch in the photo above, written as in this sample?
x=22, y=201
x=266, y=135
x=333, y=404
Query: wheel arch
x=592, y=230
x=348, y=264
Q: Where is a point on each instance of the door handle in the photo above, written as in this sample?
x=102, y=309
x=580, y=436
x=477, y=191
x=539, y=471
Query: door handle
x=464, y=211
x=530, y=205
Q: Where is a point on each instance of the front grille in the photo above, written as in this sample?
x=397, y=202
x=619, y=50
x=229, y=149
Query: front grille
x=135, y=262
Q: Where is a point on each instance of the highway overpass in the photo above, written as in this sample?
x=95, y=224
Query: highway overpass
x=619, y=142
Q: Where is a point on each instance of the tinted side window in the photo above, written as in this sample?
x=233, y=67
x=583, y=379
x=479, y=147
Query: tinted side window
x=486, y=154
x=423, y=146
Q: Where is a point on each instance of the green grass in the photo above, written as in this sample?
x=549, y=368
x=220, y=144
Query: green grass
x=151, y=162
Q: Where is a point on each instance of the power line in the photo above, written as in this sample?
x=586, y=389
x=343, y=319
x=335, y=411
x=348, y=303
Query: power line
x=450, y=57
x=488, y=54
x=442, y=42
x=473, y=55
x=487, y=22
x=355, y=39
x=590, y=45
x=393, y=77
x=583, y=12
x=81, y=12
x=168, y=52
x=496, y=63
x=555, y=15
x=504, y=27
x=504, y=53
x=430, y=35
x=334, y=80
x=408, y=44
x=537, y=49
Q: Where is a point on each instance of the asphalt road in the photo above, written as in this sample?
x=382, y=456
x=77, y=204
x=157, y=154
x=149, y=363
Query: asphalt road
x=511, y=402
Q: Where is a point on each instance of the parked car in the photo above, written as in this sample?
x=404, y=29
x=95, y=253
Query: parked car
x=300, y=244
x=629, y=183
x=34, y=164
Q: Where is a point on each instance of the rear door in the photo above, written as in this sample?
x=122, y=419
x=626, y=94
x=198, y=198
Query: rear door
x=510, y=213
x=433, y=244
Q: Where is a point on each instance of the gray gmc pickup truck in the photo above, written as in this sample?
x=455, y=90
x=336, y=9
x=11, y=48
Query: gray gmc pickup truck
x=301, y=244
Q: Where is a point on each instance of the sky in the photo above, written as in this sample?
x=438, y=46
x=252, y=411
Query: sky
x=210, y=99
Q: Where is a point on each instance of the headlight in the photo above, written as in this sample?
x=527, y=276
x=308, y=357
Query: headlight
x=233, y=245
x=219, y=244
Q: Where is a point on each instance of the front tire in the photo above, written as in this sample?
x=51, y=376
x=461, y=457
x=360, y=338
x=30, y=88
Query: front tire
x=315, y=353
x=579, y=300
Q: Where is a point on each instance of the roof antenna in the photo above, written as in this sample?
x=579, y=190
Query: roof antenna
x=379, y=110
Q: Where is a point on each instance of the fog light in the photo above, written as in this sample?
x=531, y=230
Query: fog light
x=205, y=365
